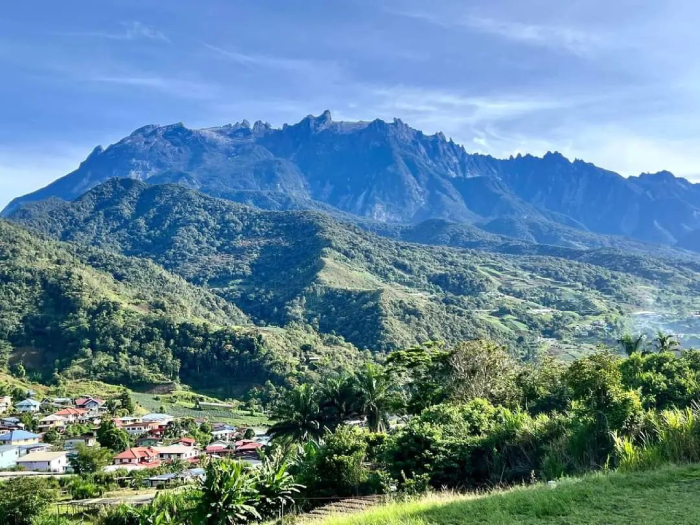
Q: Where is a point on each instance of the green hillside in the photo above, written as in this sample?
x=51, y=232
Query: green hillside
x=98, y=315
x=662, y=496
x=298, y=267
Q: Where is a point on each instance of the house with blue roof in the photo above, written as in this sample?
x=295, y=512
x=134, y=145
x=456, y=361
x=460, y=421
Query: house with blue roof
x=19, y=437
x=28, y=405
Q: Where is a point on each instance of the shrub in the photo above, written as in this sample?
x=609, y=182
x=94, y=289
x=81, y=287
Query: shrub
x=23, y=500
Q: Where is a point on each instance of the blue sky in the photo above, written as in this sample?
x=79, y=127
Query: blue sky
x=613, y=82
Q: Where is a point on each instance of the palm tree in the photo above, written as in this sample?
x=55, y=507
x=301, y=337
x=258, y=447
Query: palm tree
x=666, y=342
x=375, y=396
x=631, y=345
x=338, y=399
x=298, y=416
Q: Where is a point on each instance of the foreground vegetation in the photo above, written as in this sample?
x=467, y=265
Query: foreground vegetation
x=667, y=495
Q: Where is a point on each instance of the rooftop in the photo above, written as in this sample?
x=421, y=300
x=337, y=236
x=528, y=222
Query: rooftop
x=16, y=435
x=41, y=456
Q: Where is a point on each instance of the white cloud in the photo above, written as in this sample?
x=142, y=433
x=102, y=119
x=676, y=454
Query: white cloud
x=130, y=31
x=557, y=37
x=318, y=68
x=172, y=86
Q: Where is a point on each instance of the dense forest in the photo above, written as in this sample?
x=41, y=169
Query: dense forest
x=307, y=268
x=87, y=313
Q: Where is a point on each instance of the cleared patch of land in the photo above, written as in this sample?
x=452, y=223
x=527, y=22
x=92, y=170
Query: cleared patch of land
x=664, y=496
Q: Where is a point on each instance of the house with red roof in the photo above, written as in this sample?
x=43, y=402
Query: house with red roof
x=187, y=442
x=143, y=457
x=71, y=415
x=247, y=448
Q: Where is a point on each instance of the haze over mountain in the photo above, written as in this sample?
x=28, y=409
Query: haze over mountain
x=392, y=173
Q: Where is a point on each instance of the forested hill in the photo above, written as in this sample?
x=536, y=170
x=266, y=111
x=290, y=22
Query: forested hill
x=390, y=172
x=94, y=314
x=305, y=267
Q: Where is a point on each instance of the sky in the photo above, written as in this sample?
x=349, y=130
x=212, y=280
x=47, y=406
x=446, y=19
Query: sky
x=616, y=82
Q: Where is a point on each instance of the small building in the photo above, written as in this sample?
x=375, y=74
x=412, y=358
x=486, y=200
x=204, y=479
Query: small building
x=88, y=440
x=28, y=405
x=9, y=454
x=186, y=442
x=52, y=422
x=247, y=448
x=71, y=415
x=141, y=457
x=19, y=437
x=138, y=429
x=177, y=452
x=224, y=434
x=176, y=478
x=45, y=461
x=36, y=447
x=5, y=404
x=163, y=419
x=148, y=440
x=126, y=420
x=89, y=403
x=11, y=422
x=219, y=448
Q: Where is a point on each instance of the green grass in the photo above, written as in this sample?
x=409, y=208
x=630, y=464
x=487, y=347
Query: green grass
x=668, y=495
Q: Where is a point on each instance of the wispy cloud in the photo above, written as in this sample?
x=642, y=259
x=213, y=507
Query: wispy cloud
x=187, y=89
x=294, y=65
x=134, y=30
x=568, y=38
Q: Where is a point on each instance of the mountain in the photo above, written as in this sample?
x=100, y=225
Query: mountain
x=89, y=313
x=302, y=267
x=390, y=172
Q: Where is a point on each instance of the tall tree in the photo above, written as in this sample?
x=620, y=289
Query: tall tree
x=298, y=416
x=376, y=395
x=666, y=342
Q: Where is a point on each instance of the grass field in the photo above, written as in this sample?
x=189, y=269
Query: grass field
x=666, y=496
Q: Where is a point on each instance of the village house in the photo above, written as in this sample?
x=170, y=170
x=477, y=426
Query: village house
x=138, y=429
x=34, y=447
x=177, y=452
x=71, y=415
x=11, y=422
x=56, y=402
x=142, y=457
x=19, y=437
x=28, y=405
x=162, y=419
x=89, y=403
x=247, y=448
x=52, y=422
x=219, y=448
x=185, y=441
x=88, y=440
x=9, y=455
x=126, y=420
x=176, y=478
x=56, y=462
x=225, y=433
x=5, y=404
x=148, y=440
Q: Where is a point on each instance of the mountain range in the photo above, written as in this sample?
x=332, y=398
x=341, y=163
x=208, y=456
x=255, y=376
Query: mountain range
x=389, y=173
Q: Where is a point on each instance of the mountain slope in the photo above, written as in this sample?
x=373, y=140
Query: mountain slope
x=100, y=315
x=389, y=172
x=305, y=267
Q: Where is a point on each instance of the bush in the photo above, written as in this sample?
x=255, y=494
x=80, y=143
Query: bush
x=120, y=515
x=24, y=499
